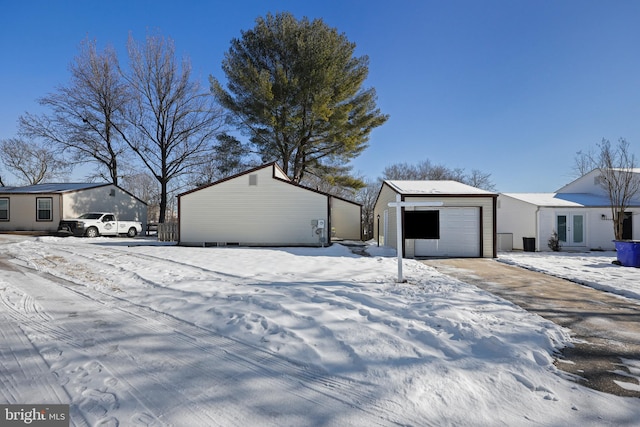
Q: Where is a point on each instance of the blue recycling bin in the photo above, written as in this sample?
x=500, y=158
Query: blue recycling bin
x=628, y=252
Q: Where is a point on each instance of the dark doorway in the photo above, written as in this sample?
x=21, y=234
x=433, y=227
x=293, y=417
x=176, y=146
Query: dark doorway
x=627, y=226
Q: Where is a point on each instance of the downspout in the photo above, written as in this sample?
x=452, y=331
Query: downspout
x=537, y=236
x=327, y=229
x=401, y=231
x=180, y=221
x=60, y=207
x=495, y=227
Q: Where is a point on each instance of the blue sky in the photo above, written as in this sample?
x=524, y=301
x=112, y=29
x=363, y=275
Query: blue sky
x=513, y=88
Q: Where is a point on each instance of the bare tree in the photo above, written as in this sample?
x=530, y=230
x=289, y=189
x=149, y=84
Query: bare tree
x=480, y=179
x=172, y=123
x=228, y=157
x=618, y=176
x=31, y=163
x=144, y=186
x=84, y=113
x=584, y=162
x=425, y=170
x=367, y=196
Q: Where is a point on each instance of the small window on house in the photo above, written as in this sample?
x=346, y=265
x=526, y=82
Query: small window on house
x=422, y=224
x=253, y=179
x=4, y=209
x=44, y=207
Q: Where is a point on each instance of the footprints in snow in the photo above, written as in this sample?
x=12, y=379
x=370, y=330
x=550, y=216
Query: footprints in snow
x=95, y=392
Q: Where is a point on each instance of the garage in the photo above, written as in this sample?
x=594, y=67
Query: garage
x=437, y=219
x=459, y=234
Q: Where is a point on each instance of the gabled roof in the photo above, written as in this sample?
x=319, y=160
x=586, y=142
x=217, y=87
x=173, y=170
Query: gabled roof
x=588, y=179
x=64, y=187
x=277, y=173
x=562, y=200
x=435, y=188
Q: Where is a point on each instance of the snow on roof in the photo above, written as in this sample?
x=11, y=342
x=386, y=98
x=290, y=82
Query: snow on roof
x=562, y=199
x=435, y=187
x=51, y=188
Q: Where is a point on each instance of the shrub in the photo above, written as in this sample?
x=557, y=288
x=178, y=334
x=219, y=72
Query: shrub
x=554, y=242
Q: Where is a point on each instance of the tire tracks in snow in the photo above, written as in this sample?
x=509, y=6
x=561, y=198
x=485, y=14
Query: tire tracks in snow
x=222, y=363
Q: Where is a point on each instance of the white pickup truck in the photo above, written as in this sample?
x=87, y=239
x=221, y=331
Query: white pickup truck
x=94, y=224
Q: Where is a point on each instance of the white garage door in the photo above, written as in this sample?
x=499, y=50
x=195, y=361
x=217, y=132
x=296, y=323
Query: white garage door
x=459, y=235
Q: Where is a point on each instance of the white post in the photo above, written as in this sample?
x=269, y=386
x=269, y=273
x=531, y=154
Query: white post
x=399, y=205
x=399, y=236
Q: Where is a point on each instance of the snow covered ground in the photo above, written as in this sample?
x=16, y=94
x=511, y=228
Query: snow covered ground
x=594, y=269
x=134, y=332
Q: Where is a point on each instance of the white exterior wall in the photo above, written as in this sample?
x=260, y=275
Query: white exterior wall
x=598, y=232
x=22, y=207
x=588, y=184
x=108, y=198
x=273, y=213
x=486, y=219
x=22, y=213
x=585, y=184
x=527, y=220
x=386, y=195
x=345, y=219
x=517, y=217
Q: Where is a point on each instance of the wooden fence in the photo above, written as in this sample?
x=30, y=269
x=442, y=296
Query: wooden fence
x=168, y=232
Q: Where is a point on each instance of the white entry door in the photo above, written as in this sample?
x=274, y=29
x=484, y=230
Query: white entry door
x=570, y=229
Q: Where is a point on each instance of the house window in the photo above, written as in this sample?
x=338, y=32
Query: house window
x=4, y=209
x=44, y=208
x=253, y=179
x=422, y=224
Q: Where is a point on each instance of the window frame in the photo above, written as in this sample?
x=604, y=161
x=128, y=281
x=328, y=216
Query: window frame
x=8, y=209
x=38, y=210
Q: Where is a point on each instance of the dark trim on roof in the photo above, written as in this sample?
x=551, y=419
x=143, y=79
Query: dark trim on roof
x=38, y=188
x=449, y=195
x=430, y=195
x=89, y=186
x=229, y=178
x=273, y=165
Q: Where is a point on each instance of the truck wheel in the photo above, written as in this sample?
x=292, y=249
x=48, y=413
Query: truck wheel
x=132, y=232
x=92, y=232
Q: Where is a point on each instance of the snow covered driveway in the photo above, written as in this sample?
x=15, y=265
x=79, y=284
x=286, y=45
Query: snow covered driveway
x=161, y=335
x=128, y=364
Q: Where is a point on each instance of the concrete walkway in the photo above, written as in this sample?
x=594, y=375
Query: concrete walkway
x=606, y=327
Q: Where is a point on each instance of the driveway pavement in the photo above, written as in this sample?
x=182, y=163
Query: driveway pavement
x=606, y=327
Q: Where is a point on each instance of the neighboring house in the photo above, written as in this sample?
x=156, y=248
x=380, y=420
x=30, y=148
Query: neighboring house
x=579, y=212
x=40, y=207
x=463, y=225
x=262, y=207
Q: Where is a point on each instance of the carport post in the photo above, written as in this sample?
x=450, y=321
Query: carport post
x=399, y=204
x=399, y=220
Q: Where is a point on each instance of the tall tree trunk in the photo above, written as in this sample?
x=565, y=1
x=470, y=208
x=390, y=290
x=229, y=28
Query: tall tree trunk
x=163, y=201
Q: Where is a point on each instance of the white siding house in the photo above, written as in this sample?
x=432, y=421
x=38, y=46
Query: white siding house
x=40, y=207
x=262, y=207
x=579, y=213
x=462, y=225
